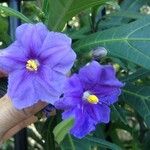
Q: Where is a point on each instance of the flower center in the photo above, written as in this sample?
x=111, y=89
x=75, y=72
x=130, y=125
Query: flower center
x=93, y=99
x=32, y=65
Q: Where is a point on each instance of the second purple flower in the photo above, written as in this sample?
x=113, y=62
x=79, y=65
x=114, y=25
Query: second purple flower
x=87, y=97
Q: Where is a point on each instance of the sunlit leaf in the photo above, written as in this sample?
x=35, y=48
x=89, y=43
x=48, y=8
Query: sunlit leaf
x=138, y=97
x=130, y=42
x=11, y=12
x=102, y=143
x=62, y=11
x=62, y=129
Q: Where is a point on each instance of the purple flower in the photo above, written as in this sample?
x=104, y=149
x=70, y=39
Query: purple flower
x=87, y=97
x=37, y=64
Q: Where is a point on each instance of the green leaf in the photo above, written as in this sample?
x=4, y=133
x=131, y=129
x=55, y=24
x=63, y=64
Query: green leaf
x=129, y=10
x=140, y=73
x=102, y=143
x=61, y=130
x=45, y=129
x=138, y=97
x=119, y=113
x=78, y=34
x=130, y=42
x=133, y=5
x=62, y=11
x=114, y=4
x=11, y=12
x=4, y=38
x=126, y=14
x=49, y=137
x=68, y=143
x=45, y=6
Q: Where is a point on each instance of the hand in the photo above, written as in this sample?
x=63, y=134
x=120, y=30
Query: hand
x=13, y=120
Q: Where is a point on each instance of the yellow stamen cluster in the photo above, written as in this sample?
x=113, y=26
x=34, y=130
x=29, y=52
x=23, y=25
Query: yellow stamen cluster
x=93, y=99
x=32, y=65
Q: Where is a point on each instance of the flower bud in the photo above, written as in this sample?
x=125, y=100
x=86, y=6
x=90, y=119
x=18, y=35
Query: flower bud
x=145, y=9
x=99, y=52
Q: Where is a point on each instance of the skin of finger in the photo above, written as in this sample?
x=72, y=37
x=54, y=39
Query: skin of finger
x=18, y=127
x=11, y=117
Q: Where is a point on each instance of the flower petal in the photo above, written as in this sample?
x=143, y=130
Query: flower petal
x=21, y=89
x=103, y=90
x=55, y=39
x=73, y=87
x=66, y=63
x=95, y=74
x=58, y=54
x=67, y=102
x=31, y=37
x=68, y=114
x=83, y=124
x=111, y=98
x=99, y=113
x=45, y=93
x=89, y=75
x=108, y=77
x=9, y=61
x=50, y=83
x=72, y=93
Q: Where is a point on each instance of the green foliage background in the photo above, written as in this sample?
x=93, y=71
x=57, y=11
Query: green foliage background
x=125, y=32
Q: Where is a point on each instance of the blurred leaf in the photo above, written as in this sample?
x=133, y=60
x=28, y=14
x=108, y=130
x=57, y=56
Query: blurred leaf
x=133, y=5
x=4, y=38
x=68, y=143
x=81, y=144
x=62, y=11
x=11, y=12
x=146, y=141
x=138, y=97
x=126, y=14
x=78, y=34
x=119, y=112
x=45, y=6
x=3, y=24
x=61, y=130
x=140, y=73
x=132, y=40
x=129, y=11
x=32, y=12
x=45, y=129
x=102, y=143
x=49, y=137
x=114, y=4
